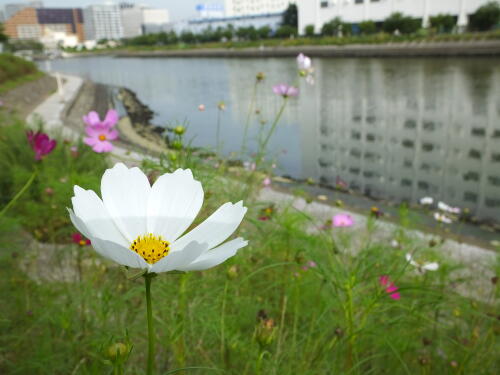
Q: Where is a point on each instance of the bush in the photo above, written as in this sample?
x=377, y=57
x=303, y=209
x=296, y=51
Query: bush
x=401, y=23
x=12, y=68
x=368, y=28
x=286, y=32
x=443, y=23
x=264, y=32
x=485, y=17
x=333, y=27
x=309, y=31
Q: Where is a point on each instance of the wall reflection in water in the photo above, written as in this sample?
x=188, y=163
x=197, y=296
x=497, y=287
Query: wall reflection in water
x=405, y=129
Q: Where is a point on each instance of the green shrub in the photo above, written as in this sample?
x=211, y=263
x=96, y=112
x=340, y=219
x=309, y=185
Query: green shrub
x=443, y=23
x=403, y=24
x=12, y=68
x=309, y=31
x=336, y=26
x=368, y=27
x=485, y=17
x=286, y=32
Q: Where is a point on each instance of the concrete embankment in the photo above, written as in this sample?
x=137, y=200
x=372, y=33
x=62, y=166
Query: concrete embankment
x=410, y=49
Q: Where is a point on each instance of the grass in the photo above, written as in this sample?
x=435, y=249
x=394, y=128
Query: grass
x=15, y=71
x=268, y=310
x=381, y=38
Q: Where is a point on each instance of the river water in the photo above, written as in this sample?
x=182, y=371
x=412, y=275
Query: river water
x=398, y=129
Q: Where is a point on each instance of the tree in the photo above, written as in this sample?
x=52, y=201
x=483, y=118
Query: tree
x=286, y=32
x=264, y=32
x=485, y=17
x=368, y=27
x=309, y=31
x=290, y=16
x=403, y=24
x=336, y=26
x=443, y=23
x=187, y=37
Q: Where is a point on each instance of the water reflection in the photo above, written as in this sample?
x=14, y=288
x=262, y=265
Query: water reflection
x=392, y=128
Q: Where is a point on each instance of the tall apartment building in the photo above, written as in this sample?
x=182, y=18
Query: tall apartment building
x=31, y=23
x=318, y=12
x=251, y=7
x=138, y=20
x=103, y=22
x=12, y=8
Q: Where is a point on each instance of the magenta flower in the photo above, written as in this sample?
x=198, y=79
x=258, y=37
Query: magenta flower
x=80, y=240
x=342, y=220
x=92, y=119
x=285, y=91
x=100, y=137
x=40, y=143
x=390, y=288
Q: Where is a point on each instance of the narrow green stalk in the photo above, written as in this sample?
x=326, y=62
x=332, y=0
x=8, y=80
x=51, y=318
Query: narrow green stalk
x=223, y=326
x=263, y=146
x=218, y=133
x=19, y=194
x=151, y=341
x=249, y=115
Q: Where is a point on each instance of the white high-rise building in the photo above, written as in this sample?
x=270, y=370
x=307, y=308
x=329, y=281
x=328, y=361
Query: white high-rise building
x=318, y=12
x=250, y=7
x=139, y=19
x=103, y=22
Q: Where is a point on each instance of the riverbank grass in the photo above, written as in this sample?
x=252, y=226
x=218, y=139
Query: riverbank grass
x=302, y=297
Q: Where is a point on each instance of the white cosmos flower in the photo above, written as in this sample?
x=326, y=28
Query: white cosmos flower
x=442, y=218
x=422, y=267
x=141, y=226
x=426, y=201
x=446, y=208
x=304, y=62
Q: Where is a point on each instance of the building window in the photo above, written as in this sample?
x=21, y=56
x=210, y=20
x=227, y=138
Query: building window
x=324, y=4
x=359, y=1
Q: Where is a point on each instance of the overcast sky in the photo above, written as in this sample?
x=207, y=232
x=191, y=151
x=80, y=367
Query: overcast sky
x=179, y=9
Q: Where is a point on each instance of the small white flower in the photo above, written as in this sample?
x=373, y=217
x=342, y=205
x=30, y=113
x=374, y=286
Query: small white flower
x=446, y=208
x=427, y=201
x=422, y=267
x=395, y=244
x=442, y=218
x=142, y=226
x=304, y=62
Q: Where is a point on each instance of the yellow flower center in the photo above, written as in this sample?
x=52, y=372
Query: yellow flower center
x=152, y=248
x=82, y=242
x=102, y=137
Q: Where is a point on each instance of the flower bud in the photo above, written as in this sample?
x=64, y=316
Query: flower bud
x=117, y=350
x=232, y=272
x=179, y=130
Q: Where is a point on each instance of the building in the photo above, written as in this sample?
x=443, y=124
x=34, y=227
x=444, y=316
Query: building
x=273, y=20
x=154, y=20
x=11, y=9
x=48, y=25
x=103, y=22
x=210, y=10
x=318, y=12
x=236, y=8
x=138, y=20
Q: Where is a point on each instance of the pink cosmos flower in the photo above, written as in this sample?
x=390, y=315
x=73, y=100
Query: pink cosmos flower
x=390, y=288
x=266, y=182
x=99, y=137
x=285, y=91
x=201, y=107
x=92, y=119
x=342, y=220
x=80, y=240
x=40, y=143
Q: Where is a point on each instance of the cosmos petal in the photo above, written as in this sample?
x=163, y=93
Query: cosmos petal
x=431, y=266
x=125, y=193
x=90, y=210
x=216, y=256
x=118, y=253
x=180, y=259
x=216, y=229
x=175, y=200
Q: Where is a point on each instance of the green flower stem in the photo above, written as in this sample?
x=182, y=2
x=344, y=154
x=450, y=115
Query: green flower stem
x=249, y=115
x=263, y=146
x=19, y=194
x=151, y=342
